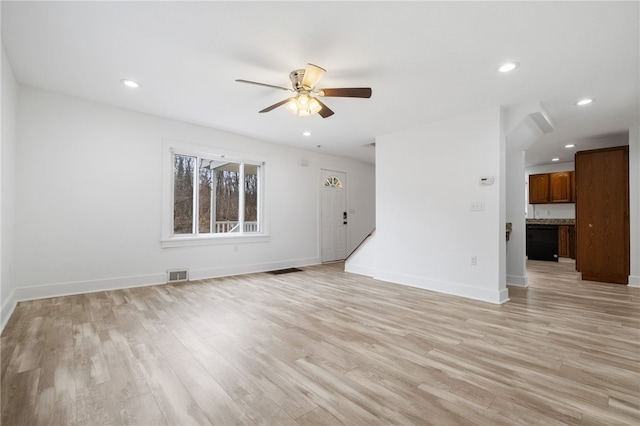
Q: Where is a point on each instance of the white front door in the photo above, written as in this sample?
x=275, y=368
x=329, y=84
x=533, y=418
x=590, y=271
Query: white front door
x=334, y=216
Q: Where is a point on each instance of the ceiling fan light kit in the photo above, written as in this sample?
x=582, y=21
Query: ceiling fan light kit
x=303, y=105
x=306, y=102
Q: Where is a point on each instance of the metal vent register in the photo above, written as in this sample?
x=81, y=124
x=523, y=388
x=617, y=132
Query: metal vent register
x=173, y=276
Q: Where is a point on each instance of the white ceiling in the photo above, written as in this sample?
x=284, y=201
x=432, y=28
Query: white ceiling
x=425, y=61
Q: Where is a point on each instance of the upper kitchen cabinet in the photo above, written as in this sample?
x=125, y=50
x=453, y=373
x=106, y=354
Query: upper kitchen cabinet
x=560, y=187
x=539, y=188
x=557, y=187
x=573, y=186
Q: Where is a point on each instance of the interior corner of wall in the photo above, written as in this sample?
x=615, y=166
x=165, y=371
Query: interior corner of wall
x=6, y=309
x=517, y=280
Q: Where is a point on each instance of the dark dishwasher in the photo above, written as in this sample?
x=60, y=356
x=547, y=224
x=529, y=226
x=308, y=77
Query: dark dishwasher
x=542, y=242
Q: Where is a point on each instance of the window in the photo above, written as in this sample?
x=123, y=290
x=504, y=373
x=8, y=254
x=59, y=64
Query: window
x=211, y=197
x=333, y=182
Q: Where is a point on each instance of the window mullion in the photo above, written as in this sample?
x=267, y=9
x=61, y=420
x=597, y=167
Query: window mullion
x=259, y=217
x=241, y=200
x=196, y=208
x=173, y=191
x=214, y=193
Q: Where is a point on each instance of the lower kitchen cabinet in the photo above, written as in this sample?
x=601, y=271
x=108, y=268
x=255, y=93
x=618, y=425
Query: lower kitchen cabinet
x=566, y=241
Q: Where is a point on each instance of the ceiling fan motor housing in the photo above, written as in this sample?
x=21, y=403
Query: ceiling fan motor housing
x=296, y=77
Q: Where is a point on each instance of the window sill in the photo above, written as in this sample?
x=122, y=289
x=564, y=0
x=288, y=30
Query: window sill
x=208, y=240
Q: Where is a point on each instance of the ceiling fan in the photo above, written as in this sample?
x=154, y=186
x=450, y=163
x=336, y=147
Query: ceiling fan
x=305, y=101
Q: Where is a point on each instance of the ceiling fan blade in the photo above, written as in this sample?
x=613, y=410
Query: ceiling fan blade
x=347, y=92
x=312, y=75
x=325, y=111
x=263, y=84
x=274, y=106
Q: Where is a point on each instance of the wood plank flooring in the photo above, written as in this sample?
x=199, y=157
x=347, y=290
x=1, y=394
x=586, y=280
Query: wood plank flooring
x=323, y=347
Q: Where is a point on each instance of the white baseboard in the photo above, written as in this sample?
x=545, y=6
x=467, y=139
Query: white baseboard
x=517, y=281
x=455, y=289
x=46, y=291
x=91, y=286
x=359, y=269
x=227, y=271
x=634, y=281
x=7, y=308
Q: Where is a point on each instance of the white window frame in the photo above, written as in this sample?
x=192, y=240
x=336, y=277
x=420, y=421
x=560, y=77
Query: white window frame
x=169, y=239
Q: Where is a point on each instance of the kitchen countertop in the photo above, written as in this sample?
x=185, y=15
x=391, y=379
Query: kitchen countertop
x=550, y=221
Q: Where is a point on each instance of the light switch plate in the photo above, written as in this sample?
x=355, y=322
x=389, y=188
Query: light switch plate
x=486, y=180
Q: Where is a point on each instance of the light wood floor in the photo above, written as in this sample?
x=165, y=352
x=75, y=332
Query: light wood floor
x=325, y=347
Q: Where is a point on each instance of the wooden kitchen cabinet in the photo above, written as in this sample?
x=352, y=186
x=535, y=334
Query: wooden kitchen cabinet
x=560, y=187
x=547, y=188
x=566, y=241
x=572, y=175
x=539, y=188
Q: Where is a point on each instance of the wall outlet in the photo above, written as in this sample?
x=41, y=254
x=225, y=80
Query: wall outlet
x=474, y=260
x=477, y=206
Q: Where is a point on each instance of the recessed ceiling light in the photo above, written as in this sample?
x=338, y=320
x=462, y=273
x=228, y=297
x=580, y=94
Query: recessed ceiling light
x=571, y=145
x=306, y=133
x=509, y=66
x=555, y=159
x=130, y=83
x=585, y=101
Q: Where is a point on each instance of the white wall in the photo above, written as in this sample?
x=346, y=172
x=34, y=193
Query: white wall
x=7, y=182
x=362, y=260
x=89, y=199
x=524, y=126
x=426, y=233
x=515, y=200
x=549, y=211
x=634, y=204
x=362, y=204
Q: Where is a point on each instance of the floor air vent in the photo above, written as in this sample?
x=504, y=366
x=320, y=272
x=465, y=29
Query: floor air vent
x=173, y=276
x=285, y=271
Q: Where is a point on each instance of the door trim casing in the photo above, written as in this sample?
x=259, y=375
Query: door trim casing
x=324, y=173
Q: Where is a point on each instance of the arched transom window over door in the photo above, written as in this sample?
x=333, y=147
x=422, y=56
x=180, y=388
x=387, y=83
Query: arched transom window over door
x=333, y=182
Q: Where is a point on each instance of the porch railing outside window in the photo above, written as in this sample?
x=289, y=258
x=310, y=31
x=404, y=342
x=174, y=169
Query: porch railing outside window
x=228, y=226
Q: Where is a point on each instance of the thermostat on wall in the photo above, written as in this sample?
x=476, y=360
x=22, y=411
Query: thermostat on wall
x=486, y=180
